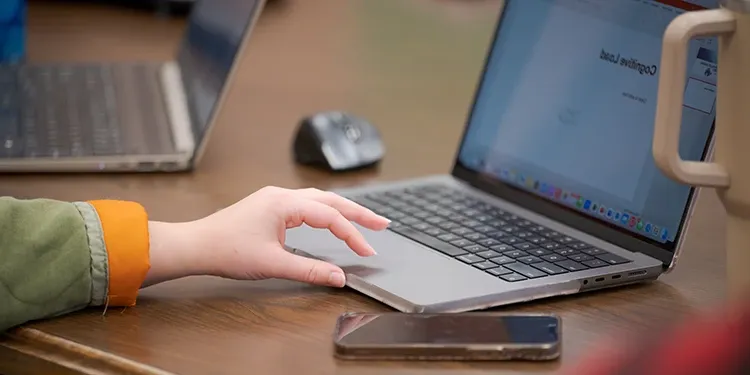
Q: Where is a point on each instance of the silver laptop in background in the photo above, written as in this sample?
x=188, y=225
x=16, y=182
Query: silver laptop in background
x=554, y=190
x=125, y=117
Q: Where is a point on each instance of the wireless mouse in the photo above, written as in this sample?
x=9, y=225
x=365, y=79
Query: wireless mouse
x=337, y=141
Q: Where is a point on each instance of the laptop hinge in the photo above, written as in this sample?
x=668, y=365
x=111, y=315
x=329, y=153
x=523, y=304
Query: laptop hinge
x=177, y=109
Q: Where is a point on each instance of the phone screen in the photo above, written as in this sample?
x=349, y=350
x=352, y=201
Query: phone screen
x=446, y=329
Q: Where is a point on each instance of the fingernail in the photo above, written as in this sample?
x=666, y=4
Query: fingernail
x=372, y=251
x=337, y=279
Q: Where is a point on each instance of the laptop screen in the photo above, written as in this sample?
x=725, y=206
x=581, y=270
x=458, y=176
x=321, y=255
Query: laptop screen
x=213, y=38
x=566, y=109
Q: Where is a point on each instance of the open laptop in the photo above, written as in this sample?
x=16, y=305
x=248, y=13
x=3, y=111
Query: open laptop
x=86, y=117
x=554, y=190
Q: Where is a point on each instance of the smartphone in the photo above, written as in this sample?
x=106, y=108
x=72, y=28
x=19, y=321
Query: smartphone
x=449, y=336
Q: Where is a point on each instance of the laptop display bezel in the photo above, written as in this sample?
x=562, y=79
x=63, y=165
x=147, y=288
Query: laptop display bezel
x=201, y=140
x=665, y=252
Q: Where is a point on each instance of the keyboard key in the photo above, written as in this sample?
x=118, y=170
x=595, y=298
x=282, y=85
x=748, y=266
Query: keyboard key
x=524, y=246
x=428, y=241
x=422, y=214
x=502, y=248
x=497, y=223
x=460, y=231
x=510, y=229
x=549, y=268
x=571, y=266
x=484, y=229
x=578, y=245
x=524, y=223
x=459, y=219
x=443, y=212
x=410, y=210
x=489, y=242
x=422, y=226
x=566, y=252
x=593, y=251
x=515, y=253
x=395, y=215
x=489, y=254
x=551, y=245
x=511, y=240
x=549, y=233
x=553, y=258
x=524, y=235
x=447, y=225
x=612, y=258
x=594, y=263
x=461, y=242
x=566, y=240
x=448, y=237
x=538, y=252
x=475, y=248
x=511, y=277
x=395, y=224
x=470, y=258
x=484, y=265
x=434, y=220
x=525, y=270
x=434, y=232
x=471, y=223
x=536, y=240
x=475, y=236
x=580, y=257
x=529, y=259
x=502, y=260
x=499, y=271
x=496, y=235
x=410, y=220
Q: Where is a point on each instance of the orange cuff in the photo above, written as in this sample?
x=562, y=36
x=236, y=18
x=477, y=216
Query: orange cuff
x=125, y=227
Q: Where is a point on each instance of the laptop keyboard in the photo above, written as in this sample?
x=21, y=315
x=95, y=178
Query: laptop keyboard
x=484, y=236
x=58, y=112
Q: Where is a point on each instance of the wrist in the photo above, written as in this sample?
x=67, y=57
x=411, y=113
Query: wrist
x=175, y=252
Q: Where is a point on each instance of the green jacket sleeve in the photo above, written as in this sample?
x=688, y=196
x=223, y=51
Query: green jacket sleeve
x=53, y=259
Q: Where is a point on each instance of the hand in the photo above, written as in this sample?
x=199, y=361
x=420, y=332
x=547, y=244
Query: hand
x=245, y=241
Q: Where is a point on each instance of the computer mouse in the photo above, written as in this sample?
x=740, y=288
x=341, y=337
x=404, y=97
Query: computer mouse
x=337, y=141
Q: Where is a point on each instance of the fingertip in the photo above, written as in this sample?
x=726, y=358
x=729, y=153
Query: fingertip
x=377, y=223
x=365, y=250
x=337, y=279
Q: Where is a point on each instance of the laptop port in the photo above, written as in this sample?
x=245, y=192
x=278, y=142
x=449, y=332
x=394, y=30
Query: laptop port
x=146, y=166
x=615, y=277
x=599, y=279
x=637, y=273
x=169, y=166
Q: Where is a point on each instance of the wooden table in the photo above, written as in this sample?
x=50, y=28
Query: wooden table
x=408, y=66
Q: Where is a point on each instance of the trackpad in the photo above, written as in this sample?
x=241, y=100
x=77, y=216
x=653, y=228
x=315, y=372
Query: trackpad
x=403, y=268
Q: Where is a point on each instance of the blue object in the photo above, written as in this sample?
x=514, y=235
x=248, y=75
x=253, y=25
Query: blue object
x=12, y=31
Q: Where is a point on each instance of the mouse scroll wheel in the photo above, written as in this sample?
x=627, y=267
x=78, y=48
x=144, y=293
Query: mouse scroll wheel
x=352, y=132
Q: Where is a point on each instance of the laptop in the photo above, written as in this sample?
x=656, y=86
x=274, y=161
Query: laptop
x=125, y=117
x=554, y=190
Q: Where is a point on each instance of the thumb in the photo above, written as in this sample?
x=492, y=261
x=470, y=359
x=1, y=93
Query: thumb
x=311, y=271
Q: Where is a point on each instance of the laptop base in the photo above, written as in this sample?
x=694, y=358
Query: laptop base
x=412, y=277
